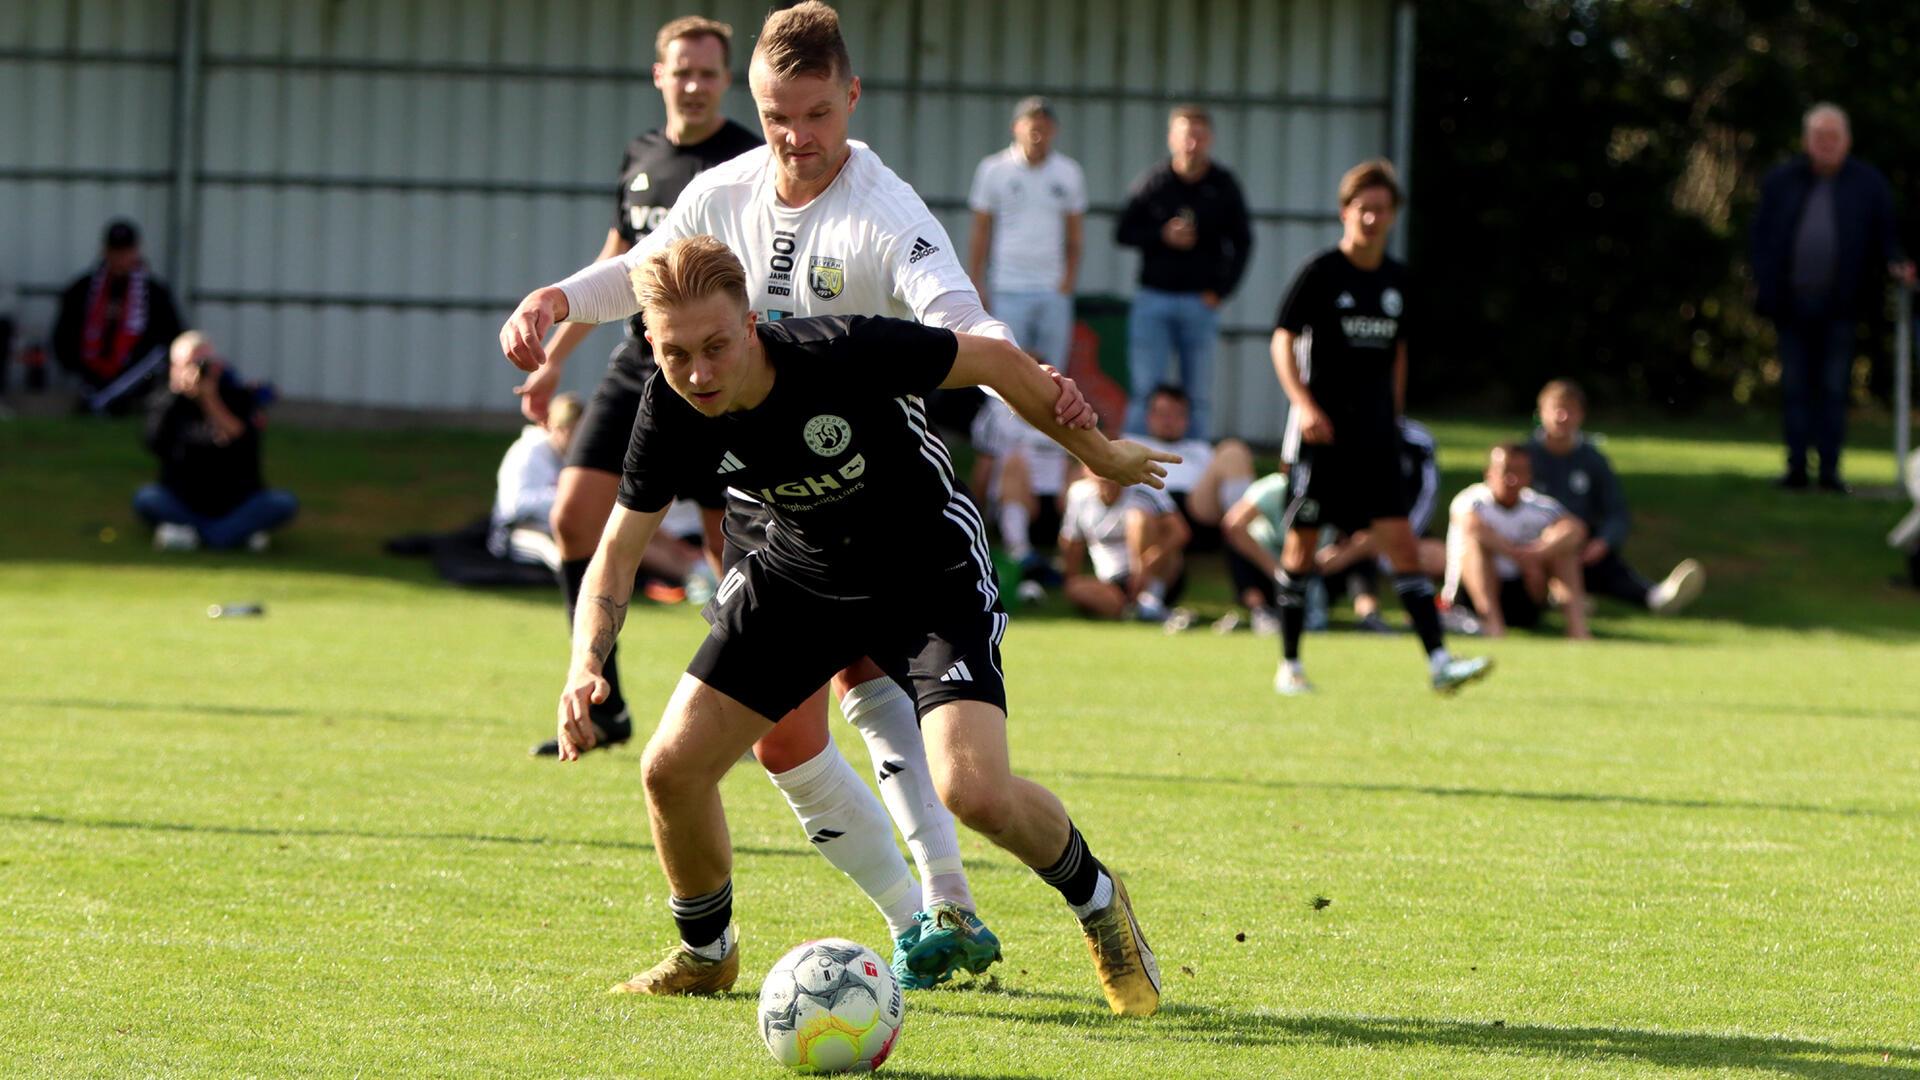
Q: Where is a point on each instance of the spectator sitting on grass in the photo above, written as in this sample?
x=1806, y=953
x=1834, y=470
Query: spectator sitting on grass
x=1507, y=544
x=526, y=485
x=1135, y=538
x=1021, y=474
x=1574, y=473
x=204, y=426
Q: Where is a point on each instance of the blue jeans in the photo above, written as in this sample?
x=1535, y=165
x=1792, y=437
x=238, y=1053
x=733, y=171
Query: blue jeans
x=1165, y=329
x=1042, y=322
x=261, y=512
x=1816, y=361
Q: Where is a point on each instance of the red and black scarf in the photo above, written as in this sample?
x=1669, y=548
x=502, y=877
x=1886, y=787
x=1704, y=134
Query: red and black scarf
x=107, y=358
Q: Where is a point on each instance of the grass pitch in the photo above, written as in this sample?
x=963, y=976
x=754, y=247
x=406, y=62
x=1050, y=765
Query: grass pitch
x=311, y=843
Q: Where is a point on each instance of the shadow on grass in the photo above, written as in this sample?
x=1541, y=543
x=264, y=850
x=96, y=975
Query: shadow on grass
x=1178, y=1022
x=308, y=832
x=279, y=712
x=1453, y=792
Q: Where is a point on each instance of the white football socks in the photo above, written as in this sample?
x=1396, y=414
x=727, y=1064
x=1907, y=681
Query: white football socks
x=1438, y=659
x=885, y=718
x=1102, y=896
x=1013, y=530
x=846, y=824
x=716, y=950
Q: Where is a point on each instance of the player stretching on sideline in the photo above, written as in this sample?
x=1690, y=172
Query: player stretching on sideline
x=1348, y=384
x=825, y=228
x=691, y=71
x=822, y=418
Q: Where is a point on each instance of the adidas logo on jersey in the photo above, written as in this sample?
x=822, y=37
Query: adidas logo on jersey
x=958, y=673
x=729, y=463
x=1344, y=302
x=921, y=249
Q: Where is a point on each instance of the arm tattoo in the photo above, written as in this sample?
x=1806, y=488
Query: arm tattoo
x=605, y=636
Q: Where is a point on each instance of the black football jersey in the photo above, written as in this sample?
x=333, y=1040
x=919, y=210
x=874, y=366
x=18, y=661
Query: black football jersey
x=1352, y=322
x=860, y=490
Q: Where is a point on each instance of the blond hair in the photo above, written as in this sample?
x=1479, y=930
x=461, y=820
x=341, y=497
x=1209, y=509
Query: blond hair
x=693, y=26
x=185, y=345
x=1378, y=172
x=804, y=40
x=1192, y=114
x=689, y=269
x=563, y=412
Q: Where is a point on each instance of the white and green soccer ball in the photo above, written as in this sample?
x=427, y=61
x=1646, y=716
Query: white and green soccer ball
x=830, y=1006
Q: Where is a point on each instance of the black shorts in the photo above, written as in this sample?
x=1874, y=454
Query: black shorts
x=1348, y=487
x=1204, y=537
x=1517, y=606
x=773, y=644
x=606, y=428
x=1043, y=532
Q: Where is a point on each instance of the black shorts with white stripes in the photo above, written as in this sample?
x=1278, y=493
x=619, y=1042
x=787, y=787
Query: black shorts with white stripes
x=773, y=643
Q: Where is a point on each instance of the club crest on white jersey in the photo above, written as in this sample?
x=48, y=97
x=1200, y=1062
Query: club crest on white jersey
x=826, y=276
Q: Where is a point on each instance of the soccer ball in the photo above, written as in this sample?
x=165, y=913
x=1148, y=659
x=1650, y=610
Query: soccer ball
x=830, y=1006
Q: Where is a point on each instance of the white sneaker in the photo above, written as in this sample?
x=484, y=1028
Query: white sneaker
x=1031, y=592
x=169, y=537
x=259, y=542
x=1681, y=588
x=1288, y=683
x=1227, y=624
x=1266, y=622
x=1179, y=620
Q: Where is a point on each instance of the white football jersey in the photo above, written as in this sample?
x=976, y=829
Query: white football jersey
x=1000, y=432
x=1521, y=523
x=1103, y=525
x=867, y=245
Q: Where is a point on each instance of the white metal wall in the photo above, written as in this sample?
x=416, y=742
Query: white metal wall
x=377, y=181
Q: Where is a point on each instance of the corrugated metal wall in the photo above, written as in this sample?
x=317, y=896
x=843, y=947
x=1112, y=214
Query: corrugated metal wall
x=376, y=183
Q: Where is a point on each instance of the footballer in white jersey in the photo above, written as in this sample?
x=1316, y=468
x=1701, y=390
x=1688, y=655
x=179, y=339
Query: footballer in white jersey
x=867, y=245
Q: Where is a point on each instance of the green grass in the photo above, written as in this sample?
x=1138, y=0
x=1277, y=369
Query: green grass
x=311, y=844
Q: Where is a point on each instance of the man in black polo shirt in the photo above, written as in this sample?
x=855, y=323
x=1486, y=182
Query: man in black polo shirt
x=823, y=420
x=692, y=74
x=1340, y=350
x=1189, y=220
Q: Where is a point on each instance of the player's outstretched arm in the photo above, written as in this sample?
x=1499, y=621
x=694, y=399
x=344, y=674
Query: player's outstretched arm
x=537, y=391
x=1031, y=392
x=604, y=594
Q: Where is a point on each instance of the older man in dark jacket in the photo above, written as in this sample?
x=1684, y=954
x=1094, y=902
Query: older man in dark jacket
x=1823, y=232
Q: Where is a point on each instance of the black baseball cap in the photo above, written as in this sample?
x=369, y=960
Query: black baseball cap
x=122, y=234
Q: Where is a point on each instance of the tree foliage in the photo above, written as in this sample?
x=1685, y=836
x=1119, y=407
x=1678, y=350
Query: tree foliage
x=1586, y=172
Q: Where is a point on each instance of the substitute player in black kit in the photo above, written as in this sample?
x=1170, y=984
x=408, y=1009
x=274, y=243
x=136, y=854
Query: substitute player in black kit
x=823, y=420
x=692, y=73
x=1340, y=348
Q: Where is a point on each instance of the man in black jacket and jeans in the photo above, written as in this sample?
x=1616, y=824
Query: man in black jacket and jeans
x=1823, y=231
x=1189, y=220
x=204, y=426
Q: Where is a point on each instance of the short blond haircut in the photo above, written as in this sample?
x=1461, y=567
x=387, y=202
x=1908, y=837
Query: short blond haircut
x=184, y=345
x=693, y=26
x=804, y=40
x=691, y=268
x=1378, y=172
x=563, y=412
x=1192, y=114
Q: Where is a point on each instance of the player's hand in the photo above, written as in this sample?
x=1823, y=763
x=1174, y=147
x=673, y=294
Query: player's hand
x=1903, y=272
x=1315, y=427
x=1127, y=462
x=536, y=393
x=523, y=336
x=1210, y=298
x=1071, y=408
x=584, y=689
x=1595, y=550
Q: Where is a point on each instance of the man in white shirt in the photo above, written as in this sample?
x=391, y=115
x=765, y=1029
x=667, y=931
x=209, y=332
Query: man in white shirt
x=823, y=227
x=1507, y=544
x=1135, y=538
x=1029, y=203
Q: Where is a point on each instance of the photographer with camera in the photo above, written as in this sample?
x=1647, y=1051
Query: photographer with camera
x=205, y=428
